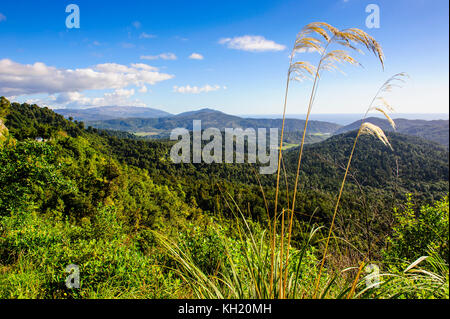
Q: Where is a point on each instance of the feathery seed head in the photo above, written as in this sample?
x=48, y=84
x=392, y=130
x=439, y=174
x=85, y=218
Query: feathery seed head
x=385, y=104
x=391, y=121
x=302, y=70
x=357, y=36
x=371, y=129
x=317, y=36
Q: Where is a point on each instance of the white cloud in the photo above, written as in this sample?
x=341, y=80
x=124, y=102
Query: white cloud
x=196, y=90
x=144, y=66
x=168, y=56
x=143, y=89
x=2, y=17
x=75, y=100
x=196, y=56
x=145, y=35
x=163, y=56
x=22, y=79
x=71, y=98
x=117, y=97
x=251, y=43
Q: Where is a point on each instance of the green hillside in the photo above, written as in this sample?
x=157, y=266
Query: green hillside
x=436, y=131
x=105, y=202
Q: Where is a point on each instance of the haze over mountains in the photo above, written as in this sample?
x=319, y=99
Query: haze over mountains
x=145, y=121
x=348, y=118
x=111, y=112
x=209, y=118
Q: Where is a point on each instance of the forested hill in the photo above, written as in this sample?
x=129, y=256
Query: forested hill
x=209, y=118
x=77, y=170
x=414, y=165
x=436, y=130
x=422, y=165
x=83, y=196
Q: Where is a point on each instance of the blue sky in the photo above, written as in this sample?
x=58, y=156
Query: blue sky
x=227, y=55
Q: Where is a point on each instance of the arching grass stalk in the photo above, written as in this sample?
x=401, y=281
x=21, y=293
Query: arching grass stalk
x=282, y=230
x=379, y=104
x=317, y=37
x=274, y=232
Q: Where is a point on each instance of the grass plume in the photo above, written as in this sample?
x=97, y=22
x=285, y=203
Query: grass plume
x=365, y=128
x=317, y=37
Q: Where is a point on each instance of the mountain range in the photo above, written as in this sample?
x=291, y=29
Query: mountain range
x=436, y=131
x=111, y=112
x=209, y=118
x=148, y=122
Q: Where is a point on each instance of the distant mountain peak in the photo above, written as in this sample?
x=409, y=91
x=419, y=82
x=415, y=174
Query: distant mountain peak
x=202, y=111
x=207, y=109
x=112, y=112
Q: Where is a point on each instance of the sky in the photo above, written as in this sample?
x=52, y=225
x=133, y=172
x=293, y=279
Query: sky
x=231, y=56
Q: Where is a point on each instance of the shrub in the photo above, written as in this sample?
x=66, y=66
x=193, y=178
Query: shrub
x=418, y=231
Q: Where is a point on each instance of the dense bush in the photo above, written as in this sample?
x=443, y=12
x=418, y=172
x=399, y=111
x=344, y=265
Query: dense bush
x=419, y=231
x=104, y=203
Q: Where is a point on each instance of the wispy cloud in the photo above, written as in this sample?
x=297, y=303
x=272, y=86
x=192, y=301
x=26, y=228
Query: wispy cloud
x=127, y=45
x=253, y=43
x=197, y=90
x=23, y=79
x=181, y=38
x=137, y=24
x=143, y=89
x=196, y=56
x=2, y=17
x=163, y=56
x=145, y=35
x=144, y=66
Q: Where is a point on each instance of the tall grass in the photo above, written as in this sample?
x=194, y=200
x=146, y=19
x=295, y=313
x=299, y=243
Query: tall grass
x=425, y=278
x=378, y=103
x=270, y=267
x=244, y=272
x=316, y=37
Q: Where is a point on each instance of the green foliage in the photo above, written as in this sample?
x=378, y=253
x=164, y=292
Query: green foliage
x=35, y=252
x=205, y=246
x=29, y=175
x=31, y=121
x=418, y=231
x=425, y=278
x=244, y=267
x=101, y=200
x=5, y=106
